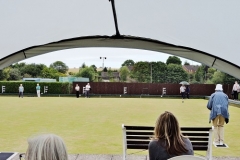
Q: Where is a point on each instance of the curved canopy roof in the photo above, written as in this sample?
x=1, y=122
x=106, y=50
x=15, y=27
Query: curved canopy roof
x=204, y=31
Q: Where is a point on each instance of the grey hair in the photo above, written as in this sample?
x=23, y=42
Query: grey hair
x=46, y=147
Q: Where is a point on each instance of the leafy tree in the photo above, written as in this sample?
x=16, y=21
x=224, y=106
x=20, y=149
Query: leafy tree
x=200, y=74
x=195, y=82
x=128, y=62
x=4, y=74
x=99, y=73
x=218, y=77
x=94, y=67
x=186, y=63
x=41, y=66
x=34, y=70
x=83, y=65
x=191, y=77
x=14, y=74
x=158, y=72
x=18, y=65
x=173, y=60
x=27, y=75
x=154, y=72
x=228, y=79
x=110, y=72
x=71, y=73
x=51, y=73
x=105, y=69
x=210, y=73
x=87, y=72
x=141, y=71
x=59, y=66
x=209, y=82
x=176, y=74
x=124, y=72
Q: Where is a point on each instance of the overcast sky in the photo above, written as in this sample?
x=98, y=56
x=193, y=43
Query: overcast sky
x=208, y=26
x=74, y=58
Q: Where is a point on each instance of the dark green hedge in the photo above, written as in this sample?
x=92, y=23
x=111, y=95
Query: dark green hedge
x=30, y=87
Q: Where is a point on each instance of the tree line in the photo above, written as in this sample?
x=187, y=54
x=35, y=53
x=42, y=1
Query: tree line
x=130, y=71
x=172, y=72
x=22, y=70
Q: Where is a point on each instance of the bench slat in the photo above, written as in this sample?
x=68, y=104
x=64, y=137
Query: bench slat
x=138, y=142
x=132, y=146
x=139, y=128
x=189, y=134
x=200, y=148
x=182, y=128
x=195, y=134
x=139, y=137
x=195, y=148
x=198, y=138
x=147, y=142
x=197, y=129
x=139, y=133
x=149, y=137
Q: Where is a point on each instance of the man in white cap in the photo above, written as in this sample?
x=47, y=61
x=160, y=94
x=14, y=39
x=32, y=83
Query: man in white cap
x=218, y=105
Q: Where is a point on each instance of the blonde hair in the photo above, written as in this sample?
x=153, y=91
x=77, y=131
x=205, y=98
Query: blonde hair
x=46, y=147
x=167, y=129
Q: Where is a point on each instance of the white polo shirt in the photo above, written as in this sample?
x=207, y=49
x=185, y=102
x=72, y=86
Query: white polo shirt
x=182, y=89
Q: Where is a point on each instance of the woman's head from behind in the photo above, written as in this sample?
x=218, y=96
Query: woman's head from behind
x=46, y=147
x=166, y=126
x=167, y=129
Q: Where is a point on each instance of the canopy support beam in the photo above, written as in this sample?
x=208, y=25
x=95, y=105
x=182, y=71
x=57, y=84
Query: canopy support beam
x=214, y=62
x=24, y=54
x=115, y=18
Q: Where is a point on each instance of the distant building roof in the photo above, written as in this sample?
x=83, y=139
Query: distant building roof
x=190, y=68
x=40, y=79
x=130, y=68
x=106, y=75
x=73, y=79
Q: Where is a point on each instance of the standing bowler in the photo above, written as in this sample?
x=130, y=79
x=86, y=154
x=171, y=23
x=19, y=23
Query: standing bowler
x=77, y=88
x=87, y=89
x=21, y=89
x=218, y=106
x=38, y=90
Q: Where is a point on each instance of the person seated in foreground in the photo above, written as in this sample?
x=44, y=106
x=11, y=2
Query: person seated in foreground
x=46, y=147
x=168, y=140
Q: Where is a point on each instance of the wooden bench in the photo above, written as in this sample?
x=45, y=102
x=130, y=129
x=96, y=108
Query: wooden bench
x=138, y=137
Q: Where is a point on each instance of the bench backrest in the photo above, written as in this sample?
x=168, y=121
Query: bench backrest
x=138, y=137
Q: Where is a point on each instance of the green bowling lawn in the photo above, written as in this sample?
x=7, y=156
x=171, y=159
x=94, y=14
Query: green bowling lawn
x=93, y=125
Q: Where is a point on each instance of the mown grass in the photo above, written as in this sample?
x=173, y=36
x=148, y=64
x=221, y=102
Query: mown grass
x=93, y=126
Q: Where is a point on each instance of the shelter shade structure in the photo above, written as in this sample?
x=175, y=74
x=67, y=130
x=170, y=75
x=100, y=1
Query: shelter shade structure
x=196, y=30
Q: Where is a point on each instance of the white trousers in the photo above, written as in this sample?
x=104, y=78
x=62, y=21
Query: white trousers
x=38, y=93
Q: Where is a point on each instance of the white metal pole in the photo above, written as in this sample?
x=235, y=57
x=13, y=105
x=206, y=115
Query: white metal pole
x=124, y=143
x=103, y=61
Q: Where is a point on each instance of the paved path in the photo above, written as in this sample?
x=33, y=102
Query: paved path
x=119, y=157
x=99, y=157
